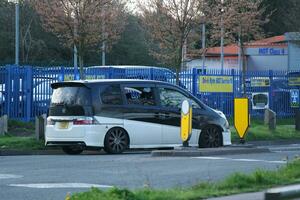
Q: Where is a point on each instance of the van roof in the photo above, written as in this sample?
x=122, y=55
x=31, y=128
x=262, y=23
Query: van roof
x=96, y=81
x=131, y=67
x=115, y=80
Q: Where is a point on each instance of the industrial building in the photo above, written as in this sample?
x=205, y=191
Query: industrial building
x=274, y=53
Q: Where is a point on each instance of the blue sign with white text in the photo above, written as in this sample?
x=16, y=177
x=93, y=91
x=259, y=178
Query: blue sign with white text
x=294, y=94
x=271, y=51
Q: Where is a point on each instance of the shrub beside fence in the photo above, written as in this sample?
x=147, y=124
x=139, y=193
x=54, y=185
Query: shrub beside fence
x=25, y=91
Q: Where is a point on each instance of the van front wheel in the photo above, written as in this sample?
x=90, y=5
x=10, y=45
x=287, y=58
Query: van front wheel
x=116, y=141
x=210, y=137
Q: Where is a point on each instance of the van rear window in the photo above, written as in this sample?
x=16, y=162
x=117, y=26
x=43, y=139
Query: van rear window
x=71, y=96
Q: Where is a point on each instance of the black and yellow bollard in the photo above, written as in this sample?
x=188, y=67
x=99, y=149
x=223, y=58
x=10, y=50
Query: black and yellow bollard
x=186, y=123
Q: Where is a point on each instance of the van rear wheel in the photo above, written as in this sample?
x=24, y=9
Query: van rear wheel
x=72, y=150
x=210, y=137
x=116, y=141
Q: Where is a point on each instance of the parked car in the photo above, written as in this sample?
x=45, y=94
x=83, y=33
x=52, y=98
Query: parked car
x=120, y=114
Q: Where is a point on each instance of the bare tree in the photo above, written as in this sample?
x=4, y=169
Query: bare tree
x=242, y=21
x=292, y=17
x=79, y=22
x=169, y=24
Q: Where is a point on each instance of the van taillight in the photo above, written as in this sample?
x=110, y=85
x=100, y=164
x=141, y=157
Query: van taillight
x=50, y=122
x=89, y=121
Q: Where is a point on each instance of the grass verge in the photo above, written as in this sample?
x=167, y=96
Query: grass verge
x=236, y=183
x=262, y=132
x=19, y=128
x=20, y=143
x=258, y=131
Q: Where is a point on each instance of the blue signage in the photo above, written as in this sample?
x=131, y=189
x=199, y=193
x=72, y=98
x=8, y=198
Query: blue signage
x=271, y=51
x=294, y=94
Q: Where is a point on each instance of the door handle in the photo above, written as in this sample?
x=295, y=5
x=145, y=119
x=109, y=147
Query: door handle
x=157, y=115
x=167, y=115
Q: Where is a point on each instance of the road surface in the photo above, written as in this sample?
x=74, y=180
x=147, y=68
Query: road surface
x=51, y=177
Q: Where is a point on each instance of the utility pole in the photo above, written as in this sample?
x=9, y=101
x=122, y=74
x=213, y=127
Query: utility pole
x=183, y=55
x=103, y=53
x=240, y=54
x=17, y=42
x=75, y=51
x=75, y=48
x=103, y=38
x=203, y=46
x=222, y=49
x=222, y=37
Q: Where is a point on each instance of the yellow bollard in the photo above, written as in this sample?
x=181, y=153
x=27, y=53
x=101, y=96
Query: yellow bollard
x=186, y=122
x=68, y=197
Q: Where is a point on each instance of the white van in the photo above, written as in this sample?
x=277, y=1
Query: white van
x=120, y=114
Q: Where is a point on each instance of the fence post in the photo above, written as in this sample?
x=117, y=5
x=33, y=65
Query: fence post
x=28, y=92
x=8, y=69
x=3, y=125
x=76, y=74
x=62, y=69
x=40, y=124
x=271, y=74
x=151, y=73
x=233, y=90
x=195, y=76
x=233, y=83
x=110, y=73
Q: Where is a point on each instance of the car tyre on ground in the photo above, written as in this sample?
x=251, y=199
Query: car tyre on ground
x=116, y=141
x=210, y=137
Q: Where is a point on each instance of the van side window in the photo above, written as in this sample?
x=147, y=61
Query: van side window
x=111, y=94
x=172, y=98
x=140, y=96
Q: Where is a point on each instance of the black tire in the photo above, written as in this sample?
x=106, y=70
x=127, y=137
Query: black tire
x=210, y=137
x=72, y=150
x=116, y=141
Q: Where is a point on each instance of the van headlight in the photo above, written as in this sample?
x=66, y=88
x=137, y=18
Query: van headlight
x=221, y=114
x=226, y=124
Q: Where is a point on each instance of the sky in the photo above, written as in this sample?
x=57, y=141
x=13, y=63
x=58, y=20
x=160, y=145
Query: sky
x=132, y=5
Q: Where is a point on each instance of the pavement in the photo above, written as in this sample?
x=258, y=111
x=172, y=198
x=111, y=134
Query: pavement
x=194, y=151
x=245, y=196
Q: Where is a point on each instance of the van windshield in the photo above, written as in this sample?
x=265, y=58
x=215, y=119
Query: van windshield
x=71, y=96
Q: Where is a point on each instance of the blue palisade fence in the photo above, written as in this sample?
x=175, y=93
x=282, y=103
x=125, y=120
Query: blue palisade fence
x=25, y=91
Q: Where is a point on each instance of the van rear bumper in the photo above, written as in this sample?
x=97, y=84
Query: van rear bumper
x=87, y=135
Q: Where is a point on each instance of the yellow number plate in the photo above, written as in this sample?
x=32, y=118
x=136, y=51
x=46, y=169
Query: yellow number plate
x=63, y=125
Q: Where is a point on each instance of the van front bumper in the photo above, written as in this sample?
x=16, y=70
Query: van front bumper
x=226, y=137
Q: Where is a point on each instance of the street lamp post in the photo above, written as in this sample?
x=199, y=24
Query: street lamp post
x=103, y=49
x=17, y=31
x=75, y=52
x=103, y=53
x=222, y=48
x=203, y=46
x=222, y=37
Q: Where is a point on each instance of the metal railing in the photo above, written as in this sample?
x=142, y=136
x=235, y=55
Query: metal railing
x=25, y=91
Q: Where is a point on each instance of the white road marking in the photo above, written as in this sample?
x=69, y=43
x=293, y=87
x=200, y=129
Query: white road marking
x=60, y=185
x=9, y=176
x=242, y=160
